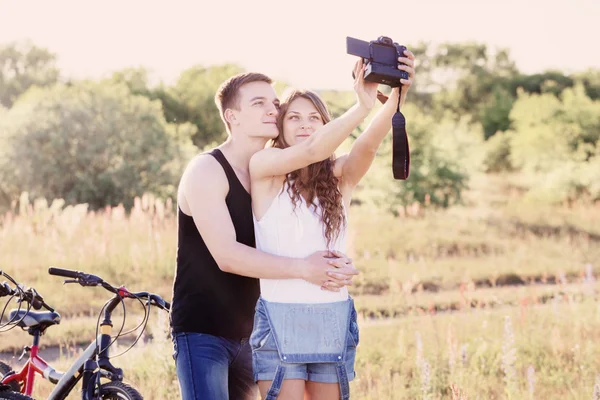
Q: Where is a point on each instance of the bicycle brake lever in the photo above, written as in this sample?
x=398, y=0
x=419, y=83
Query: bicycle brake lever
x=70, y=281
x=5, y=289
x=26, y=349
x=89, y=280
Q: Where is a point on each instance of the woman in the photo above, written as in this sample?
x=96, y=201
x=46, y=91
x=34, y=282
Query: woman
x=304, y=338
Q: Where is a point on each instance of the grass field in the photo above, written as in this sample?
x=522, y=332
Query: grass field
x=494, y=299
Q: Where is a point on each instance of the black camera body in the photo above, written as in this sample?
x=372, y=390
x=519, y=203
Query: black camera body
x=381, y=59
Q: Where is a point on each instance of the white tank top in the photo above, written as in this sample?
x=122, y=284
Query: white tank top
x=297, y=233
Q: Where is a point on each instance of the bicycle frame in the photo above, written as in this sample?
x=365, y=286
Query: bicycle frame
x=35, y=364
x=94, y=363
x=69, y=379
x=83, y=367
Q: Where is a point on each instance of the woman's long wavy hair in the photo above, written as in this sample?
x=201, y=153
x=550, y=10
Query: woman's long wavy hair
x=316, y=180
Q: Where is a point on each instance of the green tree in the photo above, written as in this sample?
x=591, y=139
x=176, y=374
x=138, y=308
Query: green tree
x=497, y=151
x=92, y=143
x=137, y=80
x=472, y=70
x=495, y=114
x=467, y=78
x=196, y=90
x=553, y=82
x=537, y=145
x=23, y=65
x=443, y=153
x=6, y=187
x=591, y=81
x=551, y=130
x=558, y=138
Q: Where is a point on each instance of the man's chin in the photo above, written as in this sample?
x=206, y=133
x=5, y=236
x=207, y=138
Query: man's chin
x=265, y=135
x=271, y=134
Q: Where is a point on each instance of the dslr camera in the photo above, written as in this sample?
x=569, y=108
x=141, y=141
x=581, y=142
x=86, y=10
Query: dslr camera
x=381, y=58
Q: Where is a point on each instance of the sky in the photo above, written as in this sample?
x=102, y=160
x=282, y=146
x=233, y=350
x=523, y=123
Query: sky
x=302, y=42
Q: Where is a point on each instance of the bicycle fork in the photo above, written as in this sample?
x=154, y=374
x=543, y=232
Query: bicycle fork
x=93, y=369
x=115, y=374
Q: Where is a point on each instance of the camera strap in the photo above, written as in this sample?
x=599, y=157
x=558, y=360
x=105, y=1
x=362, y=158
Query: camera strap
x=400, y=148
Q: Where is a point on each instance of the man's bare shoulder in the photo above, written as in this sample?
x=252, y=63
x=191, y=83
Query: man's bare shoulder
x=202, y=172
x=203, y=167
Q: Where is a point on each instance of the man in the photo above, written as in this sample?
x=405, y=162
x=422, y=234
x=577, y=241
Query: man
x=216, y=286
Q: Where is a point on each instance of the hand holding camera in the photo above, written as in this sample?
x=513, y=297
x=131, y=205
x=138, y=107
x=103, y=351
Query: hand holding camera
x=381, y=58
x=386, y=62
x=366, y=92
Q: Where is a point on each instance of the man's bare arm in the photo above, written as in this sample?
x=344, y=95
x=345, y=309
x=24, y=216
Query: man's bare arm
x=205, y=186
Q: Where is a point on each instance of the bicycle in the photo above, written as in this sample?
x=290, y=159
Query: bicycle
x=10, y=392
x=95, y=361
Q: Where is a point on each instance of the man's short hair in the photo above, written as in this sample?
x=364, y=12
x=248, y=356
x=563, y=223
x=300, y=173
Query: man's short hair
x=227, y=95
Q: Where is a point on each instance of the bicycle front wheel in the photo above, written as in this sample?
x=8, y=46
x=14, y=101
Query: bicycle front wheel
x=4, y=370
x=8, y=395
x=118, y=391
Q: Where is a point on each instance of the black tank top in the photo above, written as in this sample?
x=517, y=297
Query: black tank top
x=206, y=299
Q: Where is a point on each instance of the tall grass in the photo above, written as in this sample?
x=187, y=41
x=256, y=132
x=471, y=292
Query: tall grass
x=493, y=299
x=540, y=352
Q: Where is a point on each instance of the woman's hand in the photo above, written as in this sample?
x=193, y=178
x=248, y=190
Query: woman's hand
x=366, y=92
x=407, y=64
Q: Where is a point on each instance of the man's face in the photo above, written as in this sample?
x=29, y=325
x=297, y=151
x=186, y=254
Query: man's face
x=257, y=110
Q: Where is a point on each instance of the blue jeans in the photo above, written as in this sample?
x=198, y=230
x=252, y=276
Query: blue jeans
x=211, y=367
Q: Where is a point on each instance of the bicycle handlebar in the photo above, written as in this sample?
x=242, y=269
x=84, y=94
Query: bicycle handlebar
x=154, y=299
x=30, y=295
x=6, y=290
x=36, y=300
x=63, y=272
x=85, y=279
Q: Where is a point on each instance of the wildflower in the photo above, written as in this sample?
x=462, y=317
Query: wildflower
x=531, y=380
x=509, y=354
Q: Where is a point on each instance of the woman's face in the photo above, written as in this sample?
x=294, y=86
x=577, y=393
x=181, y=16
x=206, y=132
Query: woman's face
x=300, y=121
